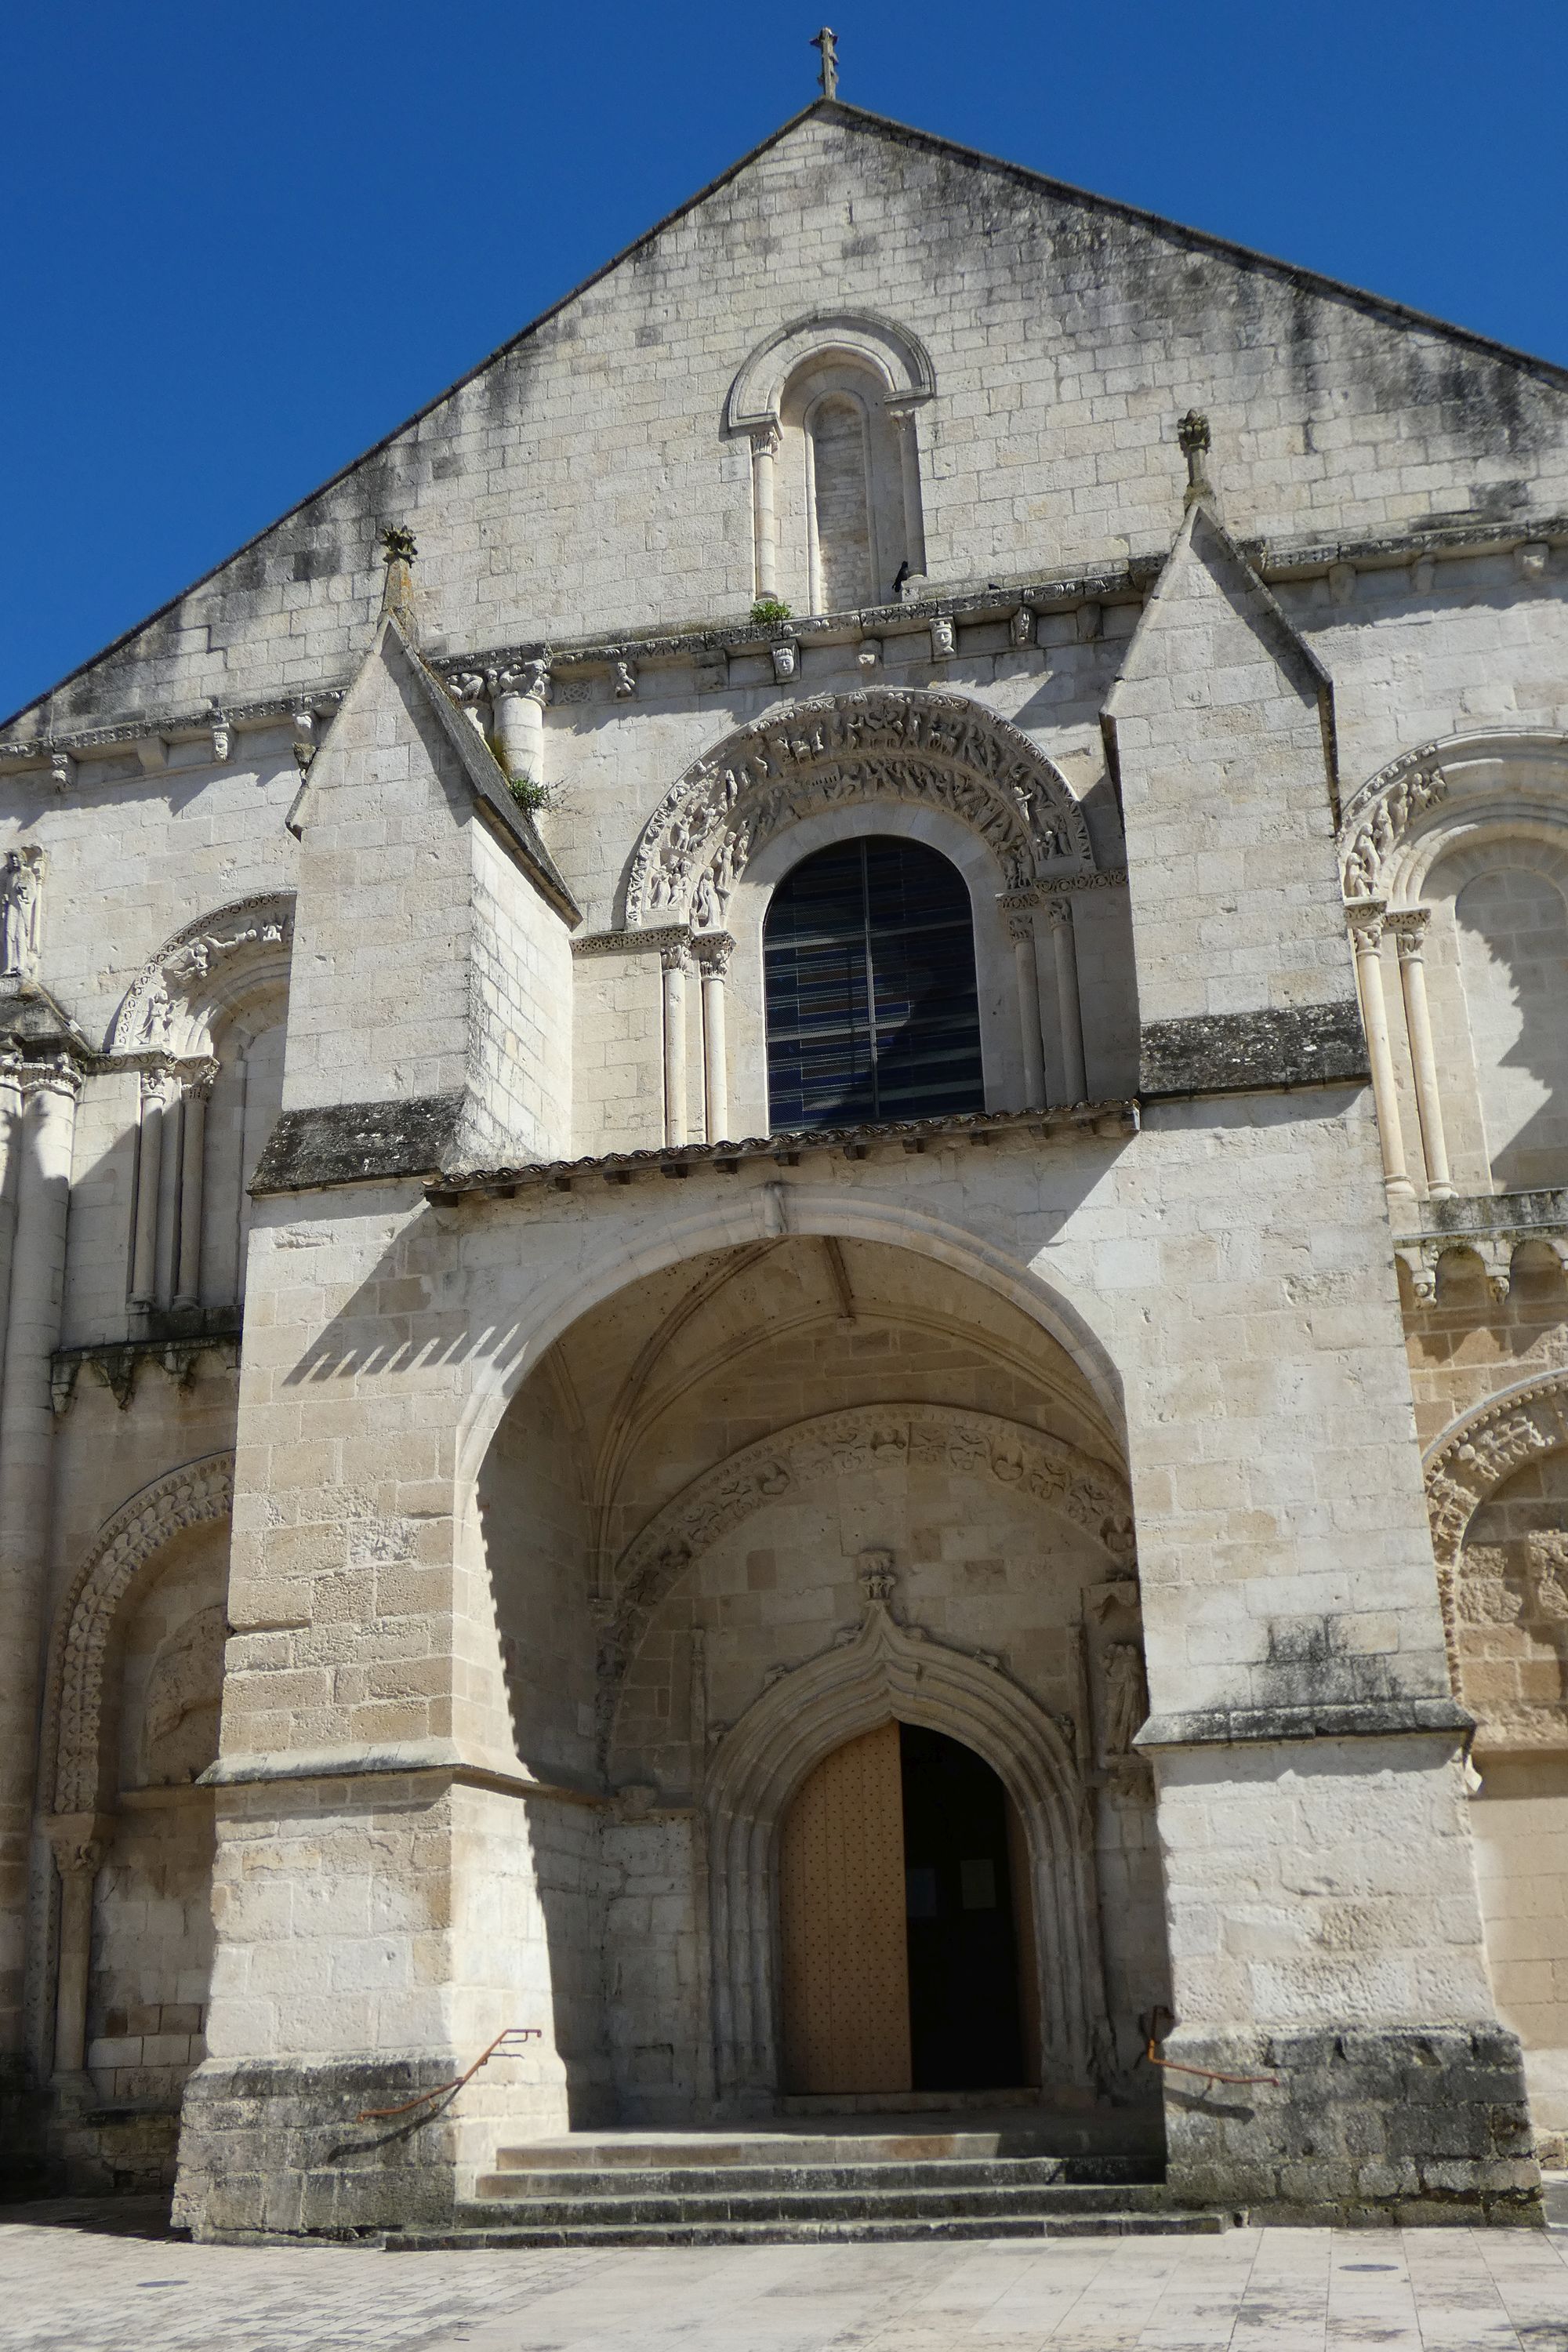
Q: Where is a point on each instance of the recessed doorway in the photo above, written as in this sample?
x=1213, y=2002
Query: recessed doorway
x=907, y=1930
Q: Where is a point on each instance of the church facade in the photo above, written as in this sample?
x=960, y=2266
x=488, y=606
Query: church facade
x=783, y=1242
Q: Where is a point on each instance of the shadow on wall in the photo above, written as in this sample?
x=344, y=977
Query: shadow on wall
x=1513, y=952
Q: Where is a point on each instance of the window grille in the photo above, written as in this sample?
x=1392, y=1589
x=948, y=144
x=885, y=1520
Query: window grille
x=869, y=956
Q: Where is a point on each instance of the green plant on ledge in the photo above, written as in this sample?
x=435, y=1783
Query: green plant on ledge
x=529, y=793
x=767, y=611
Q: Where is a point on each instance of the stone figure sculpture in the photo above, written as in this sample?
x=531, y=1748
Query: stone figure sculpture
x=21, y=911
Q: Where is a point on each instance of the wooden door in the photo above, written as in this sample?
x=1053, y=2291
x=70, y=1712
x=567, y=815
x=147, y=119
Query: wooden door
x=845, y=1965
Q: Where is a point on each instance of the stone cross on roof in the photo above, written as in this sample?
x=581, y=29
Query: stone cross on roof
x=828, y=42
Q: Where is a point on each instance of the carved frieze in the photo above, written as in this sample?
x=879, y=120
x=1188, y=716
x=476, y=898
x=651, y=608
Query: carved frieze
x=935, y=750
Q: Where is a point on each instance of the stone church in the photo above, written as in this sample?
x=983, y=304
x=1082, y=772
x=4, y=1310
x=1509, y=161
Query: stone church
x=783, y=1248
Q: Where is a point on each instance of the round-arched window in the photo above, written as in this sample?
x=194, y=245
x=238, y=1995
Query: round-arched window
x=872, y=1013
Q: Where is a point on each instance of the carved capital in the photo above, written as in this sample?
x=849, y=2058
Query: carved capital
x=1409, y=929
x=676, y=955
x=1364, y=919
x=713, y=950
x=765, y=439
x=79, y=1842
x=1021, y=927
x=1057, y=912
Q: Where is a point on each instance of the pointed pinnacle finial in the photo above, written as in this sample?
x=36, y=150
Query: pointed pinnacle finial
x=398, y=552
x=828, y=42
x=1192, y=433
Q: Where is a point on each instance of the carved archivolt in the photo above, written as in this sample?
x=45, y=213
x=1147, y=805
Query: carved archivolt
x=879, y=1670
x=1091, y=1494
x=197, y=1495
x=1389, y=835
x=1380, y=815
x=935, y=750
x=172, y=1004
x=1465, y=1469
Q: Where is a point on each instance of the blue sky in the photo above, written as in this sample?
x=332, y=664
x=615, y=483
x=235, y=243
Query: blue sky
x=242, y=244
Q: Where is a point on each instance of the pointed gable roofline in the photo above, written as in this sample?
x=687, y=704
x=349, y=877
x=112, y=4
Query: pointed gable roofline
x=880, y=126
x=497, y=805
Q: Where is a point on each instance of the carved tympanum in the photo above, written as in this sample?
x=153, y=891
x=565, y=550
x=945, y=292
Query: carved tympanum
x=935, y=750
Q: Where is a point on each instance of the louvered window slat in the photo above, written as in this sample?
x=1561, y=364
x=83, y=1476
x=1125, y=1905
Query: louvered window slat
x=869, y=955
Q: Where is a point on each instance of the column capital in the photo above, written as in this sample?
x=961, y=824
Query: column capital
x=79, y=1842
x=713, y=950
x=1021, y=925
x=1409, y=929
x=1056, y=906
x=161, y=1084
x=1364, y=918
x=55, y=1074
x=675, y=955
x=766, y=438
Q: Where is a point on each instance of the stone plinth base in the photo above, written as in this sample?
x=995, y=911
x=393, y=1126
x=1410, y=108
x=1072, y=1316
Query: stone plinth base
x=277, y=2149
x=1377, y=2125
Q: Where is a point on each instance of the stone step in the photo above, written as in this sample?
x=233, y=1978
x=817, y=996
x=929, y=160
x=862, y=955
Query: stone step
x=526, y=2184
x=1107, y=2222
x=917, y=2202
x=1112, y=2138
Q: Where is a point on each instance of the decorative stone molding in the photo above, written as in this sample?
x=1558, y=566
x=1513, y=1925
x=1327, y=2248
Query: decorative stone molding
x=170, y=1006
x=1488, y=1227
x=1403, y=792
x=1091, y=1494
x=936, y=750
x=194, y=1496
x=878, y=1669
x=1464, y=1469
x=896, y=357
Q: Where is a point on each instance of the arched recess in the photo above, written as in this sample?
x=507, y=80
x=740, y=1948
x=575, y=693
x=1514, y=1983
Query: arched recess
x=1467, y=1464
x=76, y=1750
x=204, y=1016
x=889, y=1669
x=829, y=405
x=1450, y=1061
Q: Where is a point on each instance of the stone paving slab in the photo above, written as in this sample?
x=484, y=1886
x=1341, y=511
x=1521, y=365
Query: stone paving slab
x=73, y=2284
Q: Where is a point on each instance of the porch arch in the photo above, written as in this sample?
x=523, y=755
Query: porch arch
x=769, y=1212
x=888, y=1668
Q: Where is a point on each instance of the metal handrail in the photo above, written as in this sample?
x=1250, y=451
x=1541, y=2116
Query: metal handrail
x=1204, y=2073
x=507, y=2034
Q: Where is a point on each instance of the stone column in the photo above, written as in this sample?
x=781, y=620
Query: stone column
x=713, y=951
x=26, y=1462
x=193, y=1163
x=157, y=1094
x=1366, y=922
x=80, y=1842
x=904, y=425
x=675, y=961
x=1409, y=929
x=10, y=1171
x=765, y=511
x=1021, y=929
x=1058, y=916
x=518, y=698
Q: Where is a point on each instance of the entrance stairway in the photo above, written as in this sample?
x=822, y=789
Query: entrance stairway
x=823, y=2179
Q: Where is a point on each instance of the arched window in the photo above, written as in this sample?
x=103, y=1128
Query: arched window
x=843, y=542
x=868, y=956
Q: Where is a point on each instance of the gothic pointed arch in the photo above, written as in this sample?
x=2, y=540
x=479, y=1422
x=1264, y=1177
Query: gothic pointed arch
x=938, y=751
x=177, y=1001
x=1091, y=1494
x=886, y=1668
x=199, y=1493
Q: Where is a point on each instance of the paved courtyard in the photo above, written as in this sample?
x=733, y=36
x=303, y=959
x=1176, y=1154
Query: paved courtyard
x=1272, y=2290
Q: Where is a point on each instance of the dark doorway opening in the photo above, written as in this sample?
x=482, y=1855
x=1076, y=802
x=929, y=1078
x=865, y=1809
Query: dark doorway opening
x=965, y=2027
